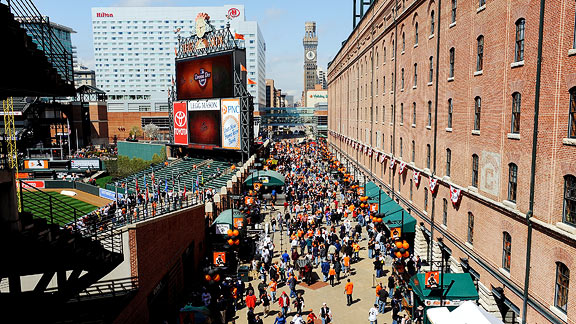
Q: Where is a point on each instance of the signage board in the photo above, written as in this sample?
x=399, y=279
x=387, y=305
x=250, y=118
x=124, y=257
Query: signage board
x=205, y=77
x=109, y=194
x=436, y=302
x=231, y=124
x=35, y=164
x=207, y=104
x=219, y=259
x=33, y=184
x=180, y=112
x=395, y=232
x=85, y=164
x=204, y=127
x=238, y=222
x=432, y=279
x=222, y=229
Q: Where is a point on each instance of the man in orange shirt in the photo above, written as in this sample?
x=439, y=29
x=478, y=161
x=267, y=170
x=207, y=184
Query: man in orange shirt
x=346, y=264
x=273, y=287
x=348, y=291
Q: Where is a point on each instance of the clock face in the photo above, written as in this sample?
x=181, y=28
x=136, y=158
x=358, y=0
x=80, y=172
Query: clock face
x=310, y=55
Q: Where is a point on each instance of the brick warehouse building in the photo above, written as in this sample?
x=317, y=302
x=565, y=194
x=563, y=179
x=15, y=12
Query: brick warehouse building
x=453, y=95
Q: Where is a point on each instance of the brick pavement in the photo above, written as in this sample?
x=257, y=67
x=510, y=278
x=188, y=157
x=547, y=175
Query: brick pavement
x=364, y=294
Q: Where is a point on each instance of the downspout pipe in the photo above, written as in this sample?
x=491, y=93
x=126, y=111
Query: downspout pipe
x=533, y=165
x=394, y=49
x=437, y=31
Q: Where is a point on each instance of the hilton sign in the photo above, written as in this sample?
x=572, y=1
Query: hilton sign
x=104, y=15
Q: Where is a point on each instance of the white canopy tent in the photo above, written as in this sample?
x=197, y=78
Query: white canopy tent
x=467, y=313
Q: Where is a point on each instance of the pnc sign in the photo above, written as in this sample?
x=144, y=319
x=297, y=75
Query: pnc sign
x=180, y=123
x=233, y=12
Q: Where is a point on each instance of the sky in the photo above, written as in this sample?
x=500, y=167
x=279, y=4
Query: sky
x=281, y=22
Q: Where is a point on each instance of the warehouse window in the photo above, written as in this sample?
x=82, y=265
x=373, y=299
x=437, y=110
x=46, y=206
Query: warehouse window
x=515, y=125
x=432, y=23
x=414, y=114
x=450, y=113
x=477, y=111
x=425, y=199
x=475, y=170
x=413, y=151
x=506, y=251
x=454, y=6
x=415, y=74
x=572, y=114
x=569, y=215
x=519, y=53
x=512, y=181
x=416, y=34
x=402, y=79
x=445, y=212
x=470, y=228
x=481, y=3
x=431, y=70
x=401, y=113
x=480, y=53
x=403, y=42
x=428, y=156
x=562, y=286
x=451, y=66
x=430, y=113
x=401, y=147
x=448, y=161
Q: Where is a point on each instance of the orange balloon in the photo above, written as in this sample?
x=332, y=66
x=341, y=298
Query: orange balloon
x=406, y=254
x=217, y=277
x=207, y=277
x=399, y=244
x=237, y=242
x=398, y=254
x=405, y=245
x=236, y=233
x=230, y=232
x=230, y=242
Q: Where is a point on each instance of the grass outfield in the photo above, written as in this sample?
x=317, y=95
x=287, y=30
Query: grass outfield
x=39, y=205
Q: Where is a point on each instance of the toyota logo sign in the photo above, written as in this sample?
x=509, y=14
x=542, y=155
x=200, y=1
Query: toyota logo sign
x=180, y=119
x=233, y=12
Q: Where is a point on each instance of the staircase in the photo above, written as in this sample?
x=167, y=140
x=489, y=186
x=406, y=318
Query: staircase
x=32, y=66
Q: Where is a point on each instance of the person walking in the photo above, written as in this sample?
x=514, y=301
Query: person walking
x=348, y=289
x=331, y=275
x=250, y=300
x=284, y=303
x=280, y=319
x=325, y=314
x=265, y=300
x=299, y=303
x=273, y=286
x=373, y=315
x=382, y=297
x=391, y=285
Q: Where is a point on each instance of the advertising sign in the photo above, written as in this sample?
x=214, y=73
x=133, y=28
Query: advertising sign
x=238, y=222
x=84, y=164
x=395, y=232
x=109, y=194
x=35, y=164
x=432, y=279
x=206, y=77
x=22, y=175
x=208, y=104
x=180, y=123
x=374, y=207
x=33, y=184
x=219, y=259
x=231, y=124
x=222, y=229
x=204, y=127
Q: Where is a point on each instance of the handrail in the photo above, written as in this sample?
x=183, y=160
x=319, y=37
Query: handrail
x=111, y=287
x=26, y=13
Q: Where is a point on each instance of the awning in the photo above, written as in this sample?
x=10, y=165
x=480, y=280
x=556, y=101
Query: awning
x=226, y=217
x=467, y=313
x=394, y=215
x=266, y=178
x=462, y=289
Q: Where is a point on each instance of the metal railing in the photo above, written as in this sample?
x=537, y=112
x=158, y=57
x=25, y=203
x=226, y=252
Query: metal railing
x=105, y=289
x=41, y=31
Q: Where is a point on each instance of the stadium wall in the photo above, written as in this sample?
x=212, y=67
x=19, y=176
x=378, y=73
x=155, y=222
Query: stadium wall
x=145, y=151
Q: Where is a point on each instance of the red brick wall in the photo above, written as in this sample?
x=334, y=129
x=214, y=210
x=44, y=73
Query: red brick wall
x=120, y=123
x=156, y=246
x=356, y=102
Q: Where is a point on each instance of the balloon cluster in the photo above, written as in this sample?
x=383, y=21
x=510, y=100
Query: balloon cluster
x=233, y=237
x=400, y=249
x=212, y=277
x=377, y=218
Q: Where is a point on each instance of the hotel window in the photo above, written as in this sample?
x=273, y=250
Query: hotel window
x=425, y=199
x=413, y=113
x=413, y=151
x=479, y=53
x=451, y=66
x=470, y=228
x=448, y=161
x=415, y=74
x=516, y=101
x=432, y=23
x=445, y=212
x=506, y=251
x=416, y=34
x=519, y=52
x=569, y=214
x=454, y=6
x=450, y=112
x=512, y=181
x=572, y=114
x=401, y=147
x=403, y=42
x=562, y=286
x=477, y=111
x=401, y=113
x=431, y=70
x=428, y=156
x=402, y=79
x=475, y=170
x=430, y=113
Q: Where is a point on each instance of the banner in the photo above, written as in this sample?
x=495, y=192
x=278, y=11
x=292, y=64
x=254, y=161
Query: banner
x=231, y=124
x=219, y=259
x=431, y=279
x=85, y=164
x=33, y=184
x=180, y=123
x=109, y=194
x=35, y=164
x=395, y=232
x=208, y=104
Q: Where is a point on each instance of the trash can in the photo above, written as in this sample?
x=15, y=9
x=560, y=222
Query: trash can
x=244, y=273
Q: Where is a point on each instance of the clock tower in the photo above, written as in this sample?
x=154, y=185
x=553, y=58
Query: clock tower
x=310, y=42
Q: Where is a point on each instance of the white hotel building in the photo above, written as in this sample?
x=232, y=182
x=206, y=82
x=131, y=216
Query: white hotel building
x=134, y=52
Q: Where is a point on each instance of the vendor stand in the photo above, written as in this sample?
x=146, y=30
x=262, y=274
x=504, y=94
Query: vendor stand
x=434, y=289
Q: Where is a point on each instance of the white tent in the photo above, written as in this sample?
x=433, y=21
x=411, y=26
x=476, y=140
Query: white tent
x=467, y=313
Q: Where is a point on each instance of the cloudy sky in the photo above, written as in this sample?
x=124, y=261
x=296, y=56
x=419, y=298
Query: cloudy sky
x=281, y=22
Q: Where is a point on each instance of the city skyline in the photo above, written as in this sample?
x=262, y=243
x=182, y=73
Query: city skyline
x=282, y=53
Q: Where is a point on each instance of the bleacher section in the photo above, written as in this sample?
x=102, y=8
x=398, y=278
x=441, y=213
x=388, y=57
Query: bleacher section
x=208, y=173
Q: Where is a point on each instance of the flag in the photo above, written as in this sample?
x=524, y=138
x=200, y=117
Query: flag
x=137, y=188
x=402, y=167
x=145, y=184
x=175, y=51
x=172, y=80
x=392, y=163
x=197, y=181
x=202, y=178
x=416, y=177
x=153, y=182
x=147, y=194
x=433, y=184
x=250, y=81
x=165, y=185
x=184, y=190
x=455, y=195
x=243, y=68
x=382, y=157
x=238, y=36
